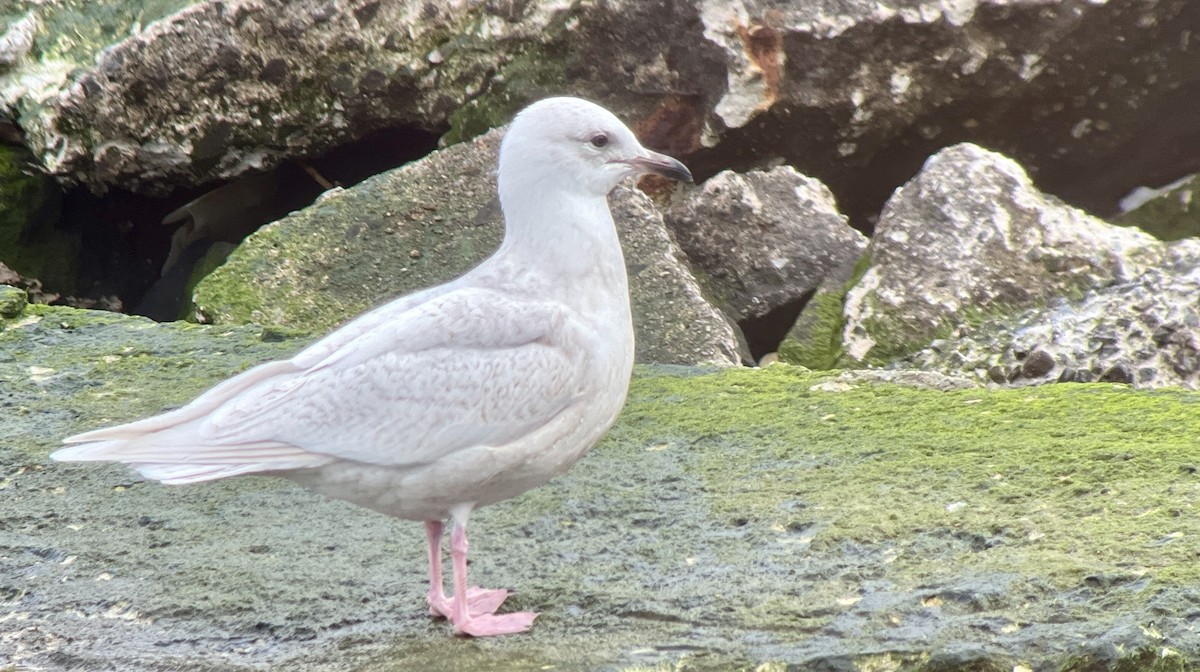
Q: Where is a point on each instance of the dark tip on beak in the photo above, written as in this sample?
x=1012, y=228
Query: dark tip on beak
x=661, y=164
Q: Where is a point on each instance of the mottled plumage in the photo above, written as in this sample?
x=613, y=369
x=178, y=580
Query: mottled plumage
x=454, y=397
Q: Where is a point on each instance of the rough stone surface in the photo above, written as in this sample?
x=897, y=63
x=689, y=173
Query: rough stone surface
x=12, y=301
x=859, y=92
x=425, y=223
x=971, y=236
x=747, y=519
x=763, y=239
x=1145, y=332
x=854, y=92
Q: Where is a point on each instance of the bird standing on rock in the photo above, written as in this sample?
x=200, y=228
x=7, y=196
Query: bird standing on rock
x=456, y=396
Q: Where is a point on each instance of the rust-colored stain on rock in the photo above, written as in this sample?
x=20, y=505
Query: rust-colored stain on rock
x=674, y=126
x=763, y=45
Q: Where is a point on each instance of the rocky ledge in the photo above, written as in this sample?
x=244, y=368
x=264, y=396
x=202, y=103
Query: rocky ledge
x=734, y=519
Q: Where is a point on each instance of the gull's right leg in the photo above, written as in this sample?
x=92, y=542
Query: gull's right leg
x=480, y=601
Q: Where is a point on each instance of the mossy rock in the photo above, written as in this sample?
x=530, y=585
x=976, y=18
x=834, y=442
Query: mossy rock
x=30, y=243
x=744, y=519
x=1171, y=215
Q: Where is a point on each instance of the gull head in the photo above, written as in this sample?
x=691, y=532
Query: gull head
x=577, y=146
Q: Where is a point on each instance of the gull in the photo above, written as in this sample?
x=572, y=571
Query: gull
x=453, y=397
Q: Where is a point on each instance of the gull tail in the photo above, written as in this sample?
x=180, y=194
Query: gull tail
x=175, y=461
x=171, y=449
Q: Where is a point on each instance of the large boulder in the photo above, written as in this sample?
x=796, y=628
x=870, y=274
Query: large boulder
x=970, y=236
x=744, y=519
x=148, y=96
x=426, y=223
x=763, y=239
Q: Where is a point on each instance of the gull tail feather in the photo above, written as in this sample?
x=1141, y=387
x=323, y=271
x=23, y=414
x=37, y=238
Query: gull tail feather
x=197, y=408
x=177, y=458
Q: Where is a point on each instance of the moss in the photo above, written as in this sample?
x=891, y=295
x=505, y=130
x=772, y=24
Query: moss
x=1060, y=482
x=273, y=253
x=1171, y=216
x=12, y=301
x=815, y=342
x=29, y=207
x=76, y=30
x=1147, y=659
x=534, y=72
x=213, y=259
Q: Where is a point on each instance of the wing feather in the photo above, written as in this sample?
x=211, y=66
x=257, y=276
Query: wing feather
x=408, y=383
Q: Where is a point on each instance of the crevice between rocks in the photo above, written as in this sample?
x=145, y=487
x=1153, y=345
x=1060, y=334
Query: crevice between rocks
x=128, y=260
x=764, y=333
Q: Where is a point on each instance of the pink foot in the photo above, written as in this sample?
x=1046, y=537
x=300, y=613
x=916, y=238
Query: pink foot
x=489, y=625
x=480, y=602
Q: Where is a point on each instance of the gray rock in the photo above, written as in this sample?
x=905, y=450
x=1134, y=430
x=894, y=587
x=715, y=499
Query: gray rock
x=856, y=92
x=1145, y=333
x=859, y=92
x=970, y=236
x=430, y=221
x=763, y=239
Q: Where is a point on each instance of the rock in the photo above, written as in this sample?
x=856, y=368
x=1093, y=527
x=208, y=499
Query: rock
x=425, y=223
x=31, y=243
x=1145, y=332
x=1170, y=213
x=968, y=237
x=780, y=527
x=17, y=40
x=12, y=301
x=859, y=92
x=31, y=288
x=856, y=93
x=763, y=239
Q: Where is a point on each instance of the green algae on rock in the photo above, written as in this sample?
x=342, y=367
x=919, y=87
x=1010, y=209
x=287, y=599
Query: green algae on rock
x=736, y=519
x=12, y=301
x=425, y=223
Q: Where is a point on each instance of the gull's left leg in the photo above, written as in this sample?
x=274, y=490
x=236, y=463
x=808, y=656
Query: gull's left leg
x=466, y=621
x=479, y=600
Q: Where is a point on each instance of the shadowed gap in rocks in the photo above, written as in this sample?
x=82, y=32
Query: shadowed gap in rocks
x=130, y=262
x=765, y=332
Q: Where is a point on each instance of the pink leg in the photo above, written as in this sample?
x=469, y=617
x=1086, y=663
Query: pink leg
x=465, y=621
x=479, y=601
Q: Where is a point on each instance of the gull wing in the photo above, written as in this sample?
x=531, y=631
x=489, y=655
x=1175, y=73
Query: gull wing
x=405, y=384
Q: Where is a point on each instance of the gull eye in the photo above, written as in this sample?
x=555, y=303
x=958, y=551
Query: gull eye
x=600, y=140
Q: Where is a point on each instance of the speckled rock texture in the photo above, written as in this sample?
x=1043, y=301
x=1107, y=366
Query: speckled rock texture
x=763, y=239
x=746, y=519
x=430, y=221
x=148, y=95
x=971, y=236
x=1145, y=332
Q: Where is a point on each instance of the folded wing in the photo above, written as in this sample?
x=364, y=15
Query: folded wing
x=403, y=385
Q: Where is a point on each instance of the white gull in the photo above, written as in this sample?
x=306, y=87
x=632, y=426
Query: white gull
x=453, y=397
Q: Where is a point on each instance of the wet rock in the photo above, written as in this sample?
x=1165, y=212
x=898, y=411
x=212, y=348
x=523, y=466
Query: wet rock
x=1145, y=333
x=971, y=236
x=763, y=239
x=779, y=525
x=430, y=221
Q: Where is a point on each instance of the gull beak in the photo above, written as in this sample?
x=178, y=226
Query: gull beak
x=660, y=164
